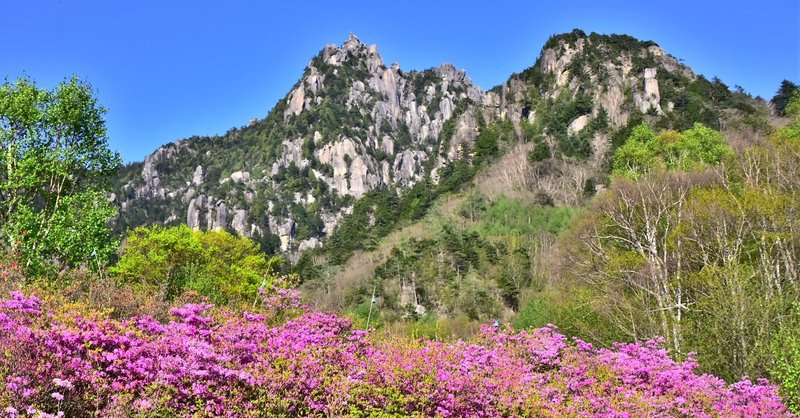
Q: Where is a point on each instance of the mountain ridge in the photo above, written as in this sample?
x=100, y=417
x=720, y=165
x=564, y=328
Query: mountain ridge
x=351, y=125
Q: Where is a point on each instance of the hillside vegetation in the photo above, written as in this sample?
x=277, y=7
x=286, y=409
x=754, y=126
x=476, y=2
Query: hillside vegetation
x=607, y=233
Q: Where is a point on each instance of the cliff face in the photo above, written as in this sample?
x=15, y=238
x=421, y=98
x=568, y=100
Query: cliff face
x=352, y=124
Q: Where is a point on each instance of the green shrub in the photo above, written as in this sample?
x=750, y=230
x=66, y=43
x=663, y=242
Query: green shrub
x=691, y=149
x=785, y=348
x=225, y=268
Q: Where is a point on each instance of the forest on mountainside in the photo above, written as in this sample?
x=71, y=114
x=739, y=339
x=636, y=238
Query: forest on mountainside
x=604, y=234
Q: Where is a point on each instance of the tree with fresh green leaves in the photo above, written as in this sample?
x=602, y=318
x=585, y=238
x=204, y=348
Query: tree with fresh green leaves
x=55, y=170
x=227, y=269
x=638, y=154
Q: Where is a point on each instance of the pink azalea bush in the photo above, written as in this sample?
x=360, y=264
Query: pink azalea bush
x=206, y=363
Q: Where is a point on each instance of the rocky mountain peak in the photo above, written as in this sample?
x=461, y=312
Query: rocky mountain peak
x=352, y=51
x=403, y=112
x=352, y=124
x=618, y=74
x=352, y=43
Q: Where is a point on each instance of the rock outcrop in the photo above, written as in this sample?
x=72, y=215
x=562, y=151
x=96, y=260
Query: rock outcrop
x=392, y=100
x=649, y=100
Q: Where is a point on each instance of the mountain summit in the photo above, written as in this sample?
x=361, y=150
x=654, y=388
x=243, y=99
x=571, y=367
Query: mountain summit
x=352, y=125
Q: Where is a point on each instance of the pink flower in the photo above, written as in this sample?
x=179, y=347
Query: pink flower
x=290, y=360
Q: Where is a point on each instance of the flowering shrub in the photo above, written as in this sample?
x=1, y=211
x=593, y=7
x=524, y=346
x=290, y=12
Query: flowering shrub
x=204, y=363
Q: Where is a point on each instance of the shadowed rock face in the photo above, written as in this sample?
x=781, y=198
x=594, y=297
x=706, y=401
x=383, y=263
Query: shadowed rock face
x=352, y=124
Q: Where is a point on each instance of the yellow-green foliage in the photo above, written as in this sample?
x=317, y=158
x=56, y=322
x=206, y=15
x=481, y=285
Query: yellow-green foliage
x=513, y=217
x=704, y=258
x=645, y=150
x=785, y=345
x=216, y=264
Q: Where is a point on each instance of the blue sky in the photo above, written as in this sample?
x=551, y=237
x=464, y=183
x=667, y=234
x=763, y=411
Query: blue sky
x=169, y=69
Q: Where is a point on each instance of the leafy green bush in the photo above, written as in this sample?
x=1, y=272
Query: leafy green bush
x=225, y=268
x=687, y=150
x=785, y=348
x=571, y=311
